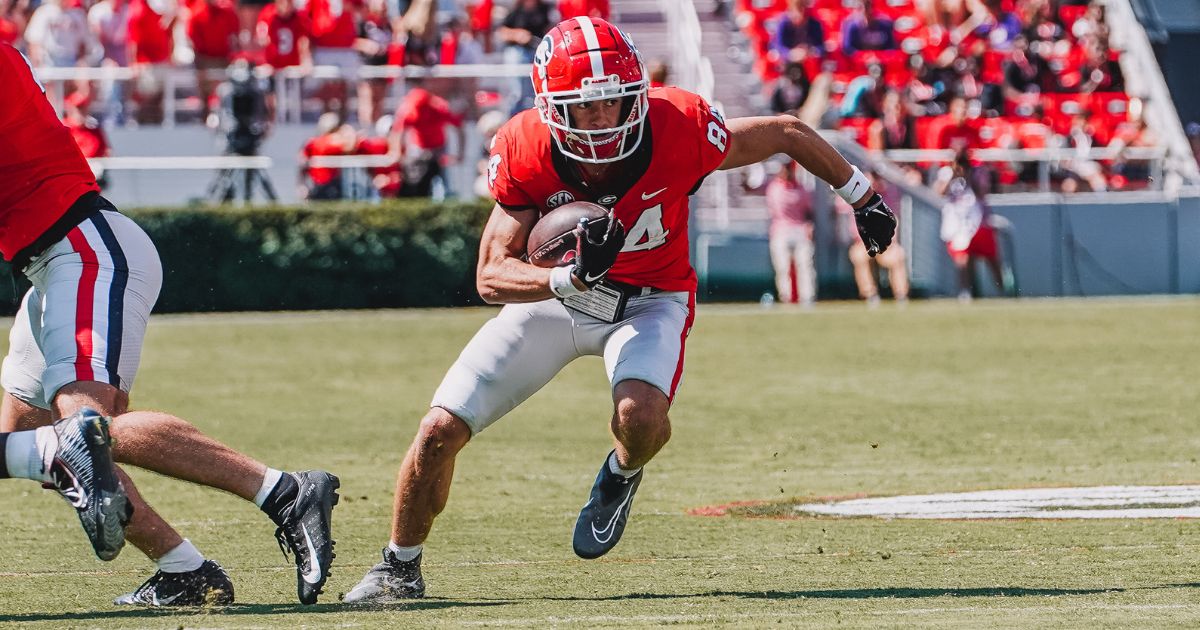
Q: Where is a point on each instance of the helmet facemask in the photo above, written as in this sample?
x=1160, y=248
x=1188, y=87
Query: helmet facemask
x=597, y=146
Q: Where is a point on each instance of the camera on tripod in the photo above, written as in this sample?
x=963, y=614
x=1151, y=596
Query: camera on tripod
x=243, y=111
x=245, y=119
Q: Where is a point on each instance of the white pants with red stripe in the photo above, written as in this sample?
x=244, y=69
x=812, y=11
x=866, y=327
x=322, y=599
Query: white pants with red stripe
x=85, y=317
x=521, y=349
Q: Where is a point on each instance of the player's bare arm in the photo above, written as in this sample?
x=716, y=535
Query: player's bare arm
x=502, y=277
x=757, y=138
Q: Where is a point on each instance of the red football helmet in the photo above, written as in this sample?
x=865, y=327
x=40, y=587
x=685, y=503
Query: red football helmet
x=587, y=59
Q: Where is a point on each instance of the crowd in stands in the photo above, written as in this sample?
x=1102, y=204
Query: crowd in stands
x=960, y=74
x=151, y=36
x=212, y=37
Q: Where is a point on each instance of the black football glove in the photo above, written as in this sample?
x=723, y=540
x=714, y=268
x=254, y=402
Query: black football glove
x=599, y=242
x=876, y=224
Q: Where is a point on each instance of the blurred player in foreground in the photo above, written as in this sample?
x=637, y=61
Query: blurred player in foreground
x=597, y=134
x=77, y=340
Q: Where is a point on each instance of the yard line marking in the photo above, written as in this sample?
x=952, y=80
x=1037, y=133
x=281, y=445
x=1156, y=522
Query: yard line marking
x=1026, y=503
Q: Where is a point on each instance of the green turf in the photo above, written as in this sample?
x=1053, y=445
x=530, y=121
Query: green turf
x=840, y=401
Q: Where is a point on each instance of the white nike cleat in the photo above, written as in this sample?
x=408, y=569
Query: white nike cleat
x=307, y=533
x=602, y=520
x=389, y=582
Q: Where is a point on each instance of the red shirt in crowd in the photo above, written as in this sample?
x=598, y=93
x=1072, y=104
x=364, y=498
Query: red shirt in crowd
x=281, y=36
x=42, y=169
x=8, y=31
x=329, y=144
x=426, y=116
x=576, y=8
x=149, y=33
x=332, y=23
x=213, y=28
x=958, y=137
x=89, y=137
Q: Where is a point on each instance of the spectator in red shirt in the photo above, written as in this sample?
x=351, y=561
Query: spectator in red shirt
x=959, y=133
x=333, y=138
x=86, y=131
x=283, y=34
x=12, y=21
x=592, y=8
x=418, y=140
x=481, y=21
x=212, y=27
x=150, y=42
x=334, y=31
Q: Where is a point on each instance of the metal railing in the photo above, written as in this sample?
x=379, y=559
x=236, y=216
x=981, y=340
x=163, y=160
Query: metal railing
x=289, y=82
x=1144, y=78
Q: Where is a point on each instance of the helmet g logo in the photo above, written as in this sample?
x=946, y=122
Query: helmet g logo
x=542, y=56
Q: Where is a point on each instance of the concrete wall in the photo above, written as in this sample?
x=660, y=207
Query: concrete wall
x=1126, y=244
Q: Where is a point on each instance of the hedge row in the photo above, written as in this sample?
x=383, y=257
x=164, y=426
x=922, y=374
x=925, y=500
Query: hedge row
x=404, y=253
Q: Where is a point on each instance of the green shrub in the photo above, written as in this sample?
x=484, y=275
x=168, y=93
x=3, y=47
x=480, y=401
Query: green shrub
x=403, y=253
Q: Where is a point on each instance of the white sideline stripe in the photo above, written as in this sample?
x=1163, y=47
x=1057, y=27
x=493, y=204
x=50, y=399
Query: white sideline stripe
x=593, y=42
x=1038, y=503
x=735, y=616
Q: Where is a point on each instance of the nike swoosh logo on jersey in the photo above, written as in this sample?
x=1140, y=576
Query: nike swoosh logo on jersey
x=609, y=529
x=587, y=277
x=646, y=197
x=313, y=575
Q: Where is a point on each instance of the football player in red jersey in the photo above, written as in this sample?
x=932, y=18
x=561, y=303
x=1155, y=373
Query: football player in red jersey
x=76, y=343
x=597, y=134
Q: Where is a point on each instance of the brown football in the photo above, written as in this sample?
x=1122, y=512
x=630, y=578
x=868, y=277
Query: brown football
x=553, y=239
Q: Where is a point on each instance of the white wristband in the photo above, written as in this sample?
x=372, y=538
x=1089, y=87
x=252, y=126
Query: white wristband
x=854, y=190
x=560, y=282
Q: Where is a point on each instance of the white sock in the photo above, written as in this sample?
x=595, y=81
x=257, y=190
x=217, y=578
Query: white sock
x=268, y=484
x=23, y=453
x=616, y=469
x=404, y=554
x=183, y=558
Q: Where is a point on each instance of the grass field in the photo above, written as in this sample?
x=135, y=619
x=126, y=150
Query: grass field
x=775, y=404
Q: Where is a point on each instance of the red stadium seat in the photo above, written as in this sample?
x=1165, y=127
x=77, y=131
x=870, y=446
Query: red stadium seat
x=860, y=127
x=995, y=133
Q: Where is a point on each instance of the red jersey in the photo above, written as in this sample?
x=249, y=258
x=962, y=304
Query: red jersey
x=281, y=36
x=213, y=29
x=42, y=169
x=426, y=116
x=150, y=33
x=324, y=145
x=332, y=23
x=683, y=142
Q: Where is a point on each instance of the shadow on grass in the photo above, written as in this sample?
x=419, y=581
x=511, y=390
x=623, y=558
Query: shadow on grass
x=242, y=609
x=877, y=593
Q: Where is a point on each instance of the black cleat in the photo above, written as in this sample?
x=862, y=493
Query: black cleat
x=390, y=581
x=306, y=531
x=80, y=468
x=207, y=586
x=602, y=520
